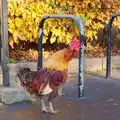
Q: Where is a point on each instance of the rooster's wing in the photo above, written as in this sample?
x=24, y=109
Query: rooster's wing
x=44, y=81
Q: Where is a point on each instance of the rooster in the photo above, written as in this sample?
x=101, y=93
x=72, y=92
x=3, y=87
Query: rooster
x=49, y=80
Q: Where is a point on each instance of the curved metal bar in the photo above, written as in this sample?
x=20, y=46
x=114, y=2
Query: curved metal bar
x=81, y=50
x=108, y=57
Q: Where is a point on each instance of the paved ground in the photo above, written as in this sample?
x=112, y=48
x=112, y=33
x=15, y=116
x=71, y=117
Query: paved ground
x=101, y=102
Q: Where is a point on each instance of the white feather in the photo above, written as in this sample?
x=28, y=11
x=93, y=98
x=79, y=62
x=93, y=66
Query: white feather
x=47, y=90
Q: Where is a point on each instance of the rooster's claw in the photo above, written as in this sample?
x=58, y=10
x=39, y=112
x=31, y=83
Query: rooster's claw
x=45, y=110
x=54, y=111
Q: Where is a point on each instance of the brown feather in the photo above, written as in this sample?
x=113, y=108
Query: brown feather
x=54, y=73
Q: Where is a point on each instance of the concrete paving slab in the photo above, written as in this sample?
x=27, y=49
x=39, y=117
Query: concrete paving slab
x=101, y=102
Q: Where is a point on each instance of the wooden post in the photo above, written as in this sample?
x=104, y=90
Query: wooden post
x=4, y=40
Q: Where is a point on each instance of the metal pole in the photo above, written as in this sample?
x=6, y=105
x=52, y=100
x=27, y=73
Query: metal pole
x=4, y=36
x=108, y=57
x=108, y=64
x=81, y=50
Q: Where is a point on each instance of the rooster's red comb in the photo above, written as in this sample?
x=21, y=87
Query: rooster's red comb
x=75, y=44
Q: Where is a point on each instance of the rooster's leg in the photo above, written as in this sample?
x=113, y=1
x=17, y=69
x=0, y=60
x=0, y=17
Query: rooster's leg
x=60, y=91
x=51, y=109
x=52, y=96
x=44, y=109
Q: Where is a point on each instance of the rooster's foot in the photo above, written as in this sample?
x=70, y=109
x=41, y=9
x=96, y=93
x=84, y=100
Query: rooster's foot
x=62, y=94
x=54, y=111
x=45, y=110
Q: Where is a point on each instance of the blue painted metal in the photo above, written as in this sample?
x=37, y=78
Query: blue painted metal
x=81, y=50
x=108, y=57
